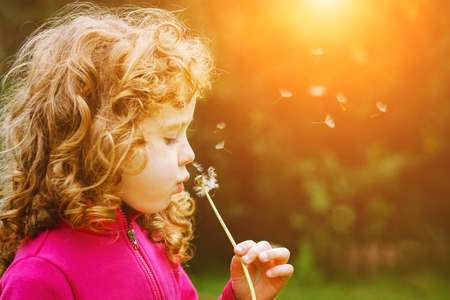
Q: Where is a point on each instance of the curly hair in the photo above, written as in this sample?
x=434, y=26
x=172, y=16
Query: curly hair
x=74, y=102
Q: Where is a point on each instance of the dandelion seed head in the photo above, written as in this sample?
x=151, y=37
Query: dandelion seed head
x=341, y=98
x=206, y=182
x=198, y=190
x=285, y=93
x=211, y=181
x=198, y=180
x=220, y=145
x=382, y=106
x=330, y=121
x=220, y=126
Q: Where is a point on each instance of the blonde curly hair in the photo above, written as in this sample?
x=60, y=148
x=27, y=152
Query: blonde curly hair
x=74, y=102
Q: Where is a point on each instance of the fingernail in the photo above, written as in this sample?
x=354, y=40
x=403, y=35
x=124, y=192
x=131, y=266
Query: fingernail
x=246, y=259
x=269, y=273
x=238, y=249
x=263, y=257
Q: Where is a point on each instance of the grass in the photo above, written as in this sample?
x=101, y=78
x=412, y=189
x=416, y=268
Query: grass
x=421, y=285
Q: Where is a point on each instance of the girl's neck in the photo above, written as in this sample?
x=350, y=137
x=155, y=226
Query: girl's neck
x=130, y=213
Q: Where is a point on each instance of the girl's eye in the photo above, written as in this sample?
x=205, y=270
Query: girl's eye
x=170, y=140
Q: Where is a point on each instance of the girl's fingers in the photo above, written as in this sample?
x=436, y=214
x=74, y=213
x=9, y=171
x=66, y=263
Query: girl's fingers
x=249, y=251
x=243, y=247
x=285, y=270
x=279, y=254
x=255, y=250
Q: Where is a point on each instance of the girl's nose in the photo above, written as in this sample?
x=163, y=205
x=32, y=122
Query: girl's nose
x=186, y=155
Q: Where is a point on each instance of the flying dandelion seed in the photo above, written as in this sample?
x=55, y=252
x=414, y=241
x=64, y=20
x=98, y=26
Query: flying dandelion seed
x=317, y=90
x=197, y=166
x=317, y=51
x=220, y=126
x=382, y=108
x=221, y=146
x=342, y=100
x=283, y=94
x=203, y=185
x=329, y=121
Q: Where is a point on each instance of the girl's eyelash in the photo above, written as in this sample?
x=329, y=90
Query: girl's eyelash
x=170, y=140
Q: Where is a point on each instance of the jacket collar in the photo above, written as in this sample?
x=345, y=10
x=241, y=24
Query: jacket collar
x=125, y=216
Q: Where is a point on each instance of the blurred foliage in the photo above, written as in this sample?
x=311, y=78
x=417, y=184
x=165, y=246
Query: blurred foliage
x=416, y=286
x=371, y=193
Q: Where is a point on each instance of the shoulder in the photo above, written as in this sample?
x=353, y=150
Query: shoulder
x=34, y=278
x=62, y=244
x=43, y=246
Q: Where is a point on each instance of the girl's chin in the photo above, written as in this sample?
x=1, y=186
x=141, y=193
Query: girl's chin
x=154, y=208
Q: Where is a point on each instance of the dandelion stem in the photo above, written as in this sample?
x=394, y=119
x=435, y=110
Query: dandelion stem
x=229, y=151
x=219, y=217
x=279, y=98
x=230, y=237
x=375, y=115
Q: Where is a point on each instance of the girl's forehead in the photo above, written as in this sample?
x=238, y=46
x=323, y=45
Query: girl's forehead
x=169, y=118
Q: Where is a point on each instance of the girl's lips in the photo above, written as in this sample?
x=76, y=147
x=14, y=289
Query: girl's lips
x=180, y=187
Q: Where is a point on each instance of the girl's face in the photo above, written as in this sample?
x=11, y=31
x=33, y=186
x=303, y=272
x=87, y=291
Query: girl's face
x=169, y=152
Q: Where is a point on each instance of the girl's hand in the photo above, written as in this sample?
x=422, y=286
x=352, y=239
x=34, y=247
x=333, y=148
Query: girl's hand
x=267, y=266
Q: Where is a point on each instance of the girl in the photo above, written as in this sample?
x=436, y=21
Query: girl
x=97, y=107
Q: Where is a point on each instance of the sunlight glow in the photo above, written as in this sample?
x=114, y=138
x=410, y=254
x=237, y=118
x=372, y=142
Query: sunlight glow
x=317, y=90
x=325, y=19
x=325, y=2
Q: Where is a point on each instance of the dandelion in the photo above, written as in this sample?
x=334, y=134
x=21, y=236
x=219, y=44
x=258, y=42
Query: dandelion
x=203, y=185
x=221, y=146
x=342, y=100
x=382, y=108
x=283, y=94
x=208, y=183
x=219, y=127
x=329, y=121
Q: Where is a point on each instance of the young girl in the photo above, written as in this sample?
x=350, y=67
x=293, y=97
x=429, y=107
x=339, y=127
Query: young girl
x=97, y=106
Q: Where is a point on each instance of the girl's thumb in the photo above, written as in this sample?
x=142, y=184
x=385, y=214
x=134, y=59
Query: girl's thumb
x=236, y=269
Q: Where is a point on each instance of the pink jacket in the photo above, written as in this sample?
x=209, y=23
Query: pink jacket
x=63, y=263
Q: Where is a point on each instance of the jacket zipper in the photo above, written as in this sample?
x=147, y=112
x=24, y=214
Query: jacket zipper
x=132, y=238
